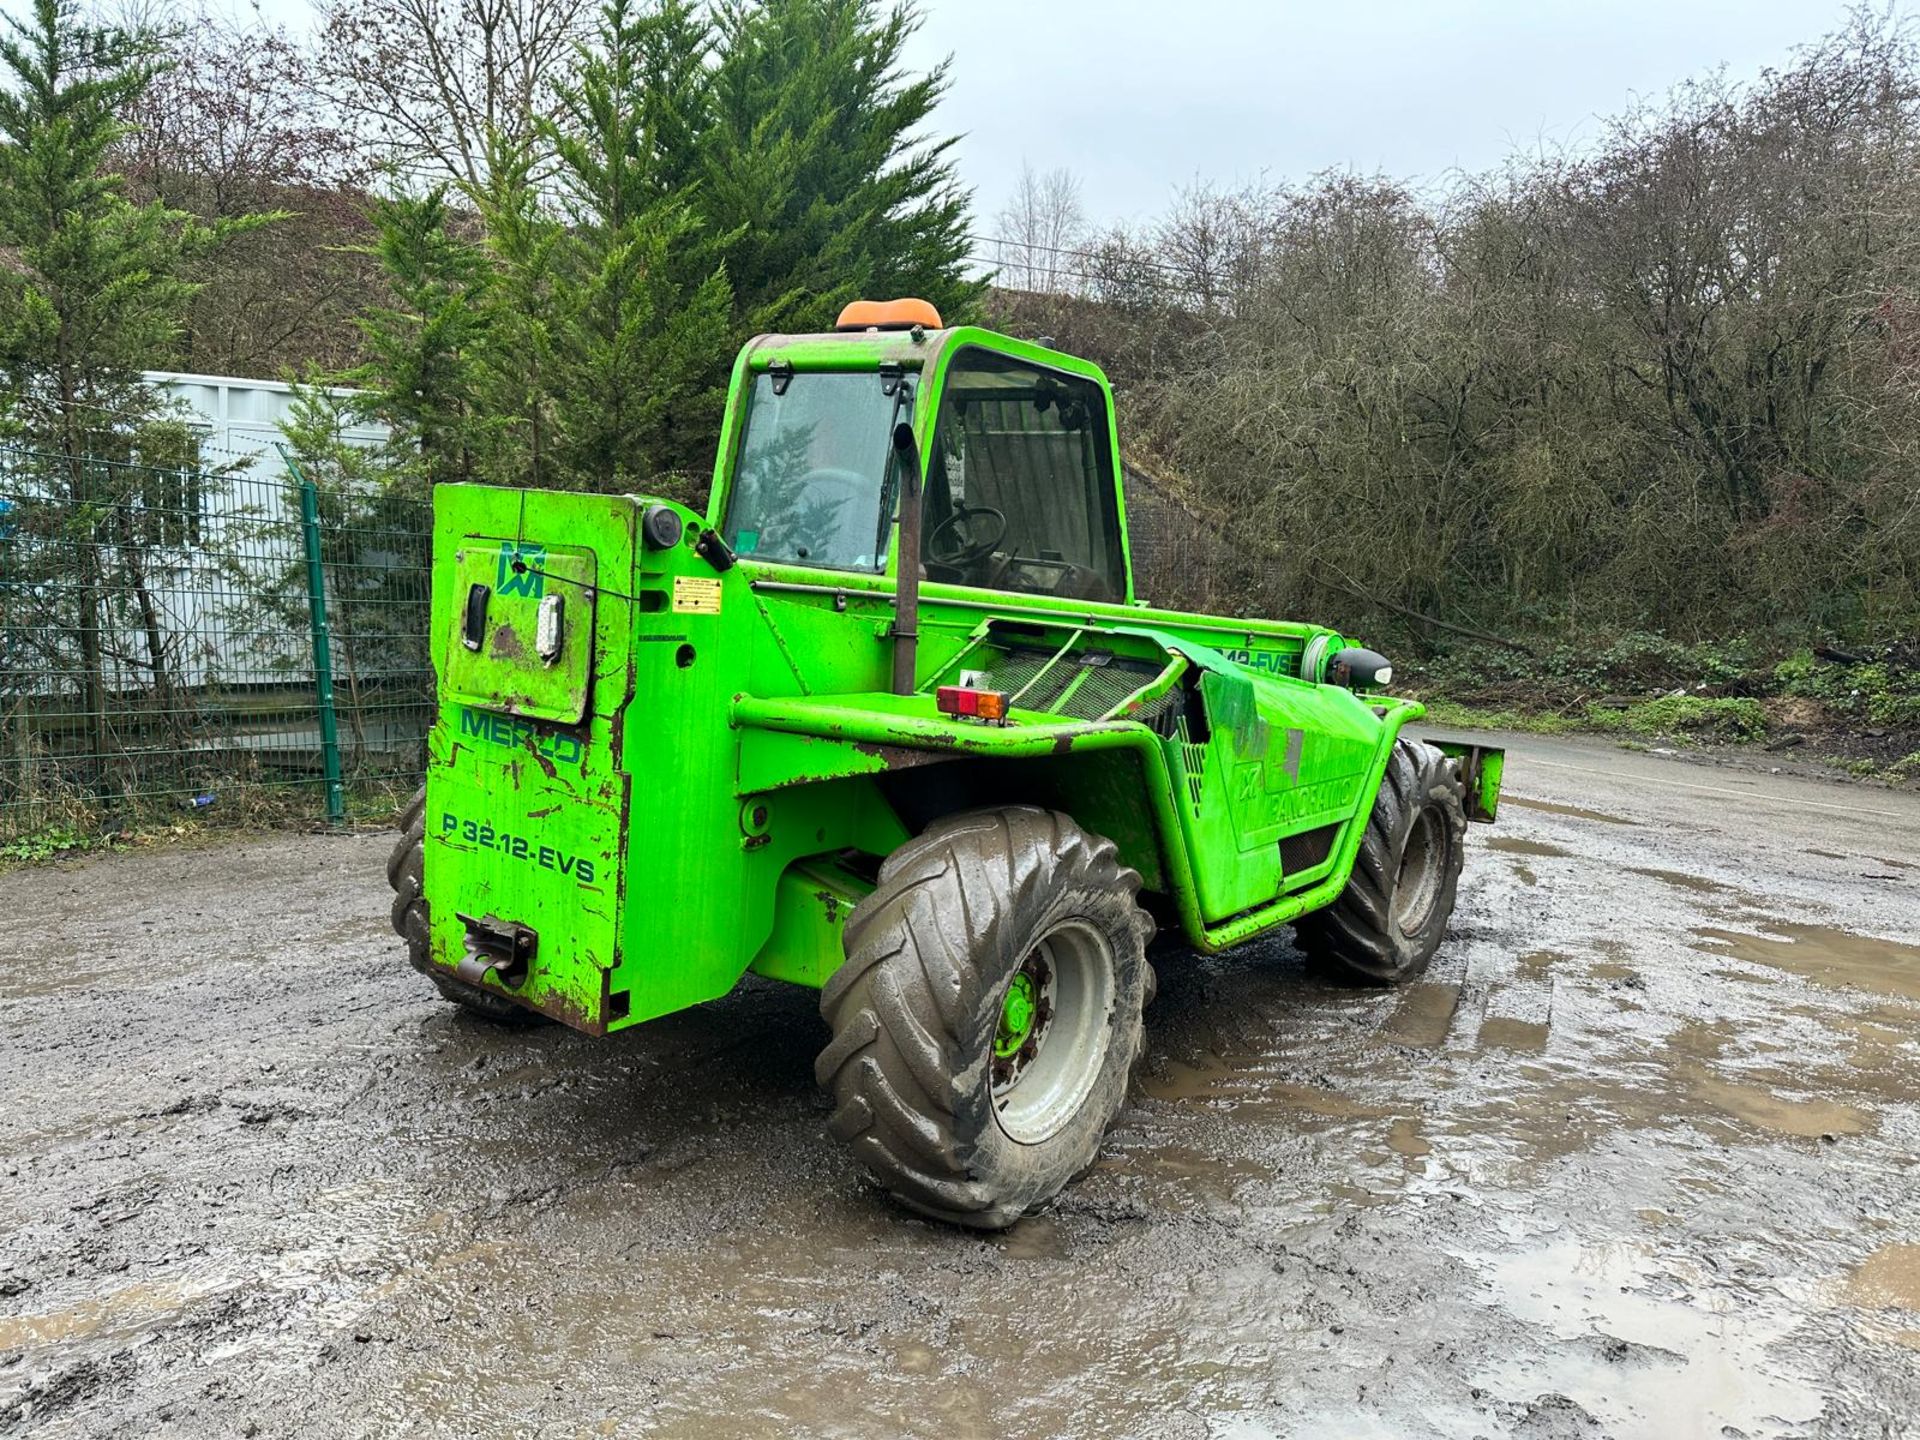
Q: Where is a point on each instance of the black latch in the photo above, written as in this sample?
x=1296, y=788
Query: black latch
x=473, y=630
x=715, y=551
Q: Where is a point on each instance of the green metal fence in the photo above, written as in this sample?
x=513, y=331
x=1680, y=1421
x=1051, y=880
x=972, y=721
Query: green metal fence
x=218, y=643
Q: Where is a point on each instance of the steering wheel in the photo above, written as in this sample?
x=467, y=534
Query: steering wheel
x=971, y=546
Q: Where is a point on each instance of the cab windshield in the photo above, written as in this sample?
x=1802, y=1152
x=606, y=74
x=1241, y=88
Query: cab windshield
x=814, y=484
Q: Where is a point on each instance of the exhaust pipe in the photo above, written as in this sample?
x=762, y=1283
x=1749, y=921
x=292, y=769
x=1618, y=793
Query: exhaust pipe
x=906, y=614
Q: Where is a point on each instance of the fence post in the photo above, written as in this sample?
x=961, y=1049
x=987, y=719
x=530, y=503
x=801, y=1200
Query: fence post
x=322, y=642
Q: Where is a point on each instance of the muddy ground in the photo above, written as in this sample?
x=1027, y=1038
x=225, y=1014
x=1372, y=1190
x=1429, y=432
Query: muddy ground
x=1636, y=1159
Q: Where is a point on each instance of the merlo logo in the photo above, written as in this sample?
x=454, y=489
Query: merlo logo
x=528, y=580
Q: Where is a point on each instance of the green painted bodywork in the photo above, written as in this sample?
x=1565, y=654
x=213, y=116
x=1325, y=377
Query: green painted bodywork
x=1482, y=767
x=706, y=775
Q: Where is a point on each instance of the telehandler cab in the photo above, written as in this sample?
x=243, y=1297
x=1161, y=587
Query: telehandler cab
x=889, y=722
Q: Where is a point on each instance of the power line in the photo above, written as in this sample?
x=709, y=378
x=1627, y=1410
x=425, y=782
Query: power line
x=1077, y=252
x=1163, y=278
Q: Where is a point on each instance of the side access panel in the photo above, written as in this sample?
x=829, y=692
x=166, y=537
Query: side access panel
x=1268, y=793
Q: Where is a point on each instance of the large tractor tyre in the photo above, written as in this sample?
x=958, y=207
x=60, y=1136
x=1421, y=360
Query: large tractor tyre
x=988, y=1014
x=404, y=869
x=1387, y=923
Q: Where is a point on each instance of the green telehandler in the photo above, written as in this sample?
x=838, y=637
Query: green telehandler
x=889, y=722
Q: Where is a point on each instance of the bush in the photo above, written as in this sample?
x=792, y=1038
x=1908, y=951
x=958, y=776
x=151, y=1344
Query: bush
x=1697, y=716
x=1881, y=692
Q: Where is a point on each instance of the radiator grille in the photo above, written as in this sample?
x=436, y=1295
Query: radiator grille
x=1307, y=849
x=1083, y=686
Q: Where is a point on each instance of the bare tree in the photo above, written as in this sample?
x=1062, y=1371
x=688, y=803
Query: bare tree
x=237, y=106
x=234, y=123
x=1213, y=243
x=1040, y=228
x=423, y=83
x=1669, y=383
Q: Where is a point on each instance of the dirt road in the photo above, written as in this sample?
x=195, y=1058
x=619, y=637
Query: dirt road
x=1637, y=1159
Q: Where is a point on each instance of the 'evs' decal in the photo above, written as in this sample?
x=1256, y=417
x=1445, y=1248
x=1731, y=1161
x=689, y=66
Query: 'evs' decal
x=1274, y=662
x=482, y=835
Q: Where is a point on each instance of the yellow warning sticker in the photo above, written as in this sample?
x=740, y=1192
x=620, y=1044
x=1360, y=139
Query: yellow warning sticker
x=695, y=595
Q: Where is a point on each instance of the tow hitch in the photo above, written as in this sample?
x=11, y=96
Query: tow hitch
x=505, y=946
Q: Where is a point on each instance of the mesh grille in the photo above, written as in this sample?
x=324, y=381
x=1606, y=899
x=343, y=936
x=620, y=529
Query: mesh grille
x=1193, y=760
x=1097, y=683
x=1307, y=849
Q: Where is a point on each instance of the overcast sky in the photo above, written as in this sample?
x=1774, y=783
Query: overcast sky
x=1140, y=97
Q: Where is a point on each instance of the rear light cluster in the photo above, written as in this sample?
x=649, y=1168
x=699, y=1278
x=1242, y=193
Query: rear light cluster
x=971, y=704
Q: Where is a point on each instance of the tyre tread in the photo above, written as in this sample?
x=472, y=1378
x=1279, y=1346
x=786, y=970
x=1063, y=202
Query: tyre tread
x=1353, y=938
x=899, y=1007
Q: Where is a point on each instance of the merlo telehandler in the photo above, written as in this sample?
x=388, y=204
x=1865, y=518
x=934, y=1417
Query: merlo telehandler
x=889, y=721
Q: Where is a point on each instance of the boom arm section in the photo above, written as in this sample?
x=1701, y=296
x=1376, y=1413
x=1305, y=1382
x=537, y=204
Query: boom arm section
x=1244, y=761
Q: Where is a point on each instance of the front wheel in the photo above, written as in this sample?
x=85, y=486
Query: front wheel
x=1387, y=923
x=988, y=1014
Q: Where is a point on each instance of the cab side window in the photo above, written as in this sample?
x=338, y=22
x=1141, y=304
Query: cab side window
x=1020, y=495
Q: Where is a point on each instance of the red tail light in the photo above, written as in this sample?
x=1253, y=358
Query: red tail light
x=972, y=704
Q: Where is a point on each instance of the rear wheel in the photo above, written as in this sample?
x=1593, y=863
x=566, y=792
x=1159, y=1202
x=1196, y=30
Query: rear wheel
x=1389, y=921
x=405, y=867
x=988, y=1015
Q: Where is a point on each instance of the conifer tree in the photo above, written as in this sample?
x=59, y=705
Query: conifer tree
x=706, y=175
x=92, y=294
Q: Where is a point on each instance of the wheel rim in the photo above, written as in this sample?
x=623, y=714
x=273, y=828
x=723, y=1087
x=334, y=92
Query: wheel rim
x=1417, y=887
x=1055, y=1025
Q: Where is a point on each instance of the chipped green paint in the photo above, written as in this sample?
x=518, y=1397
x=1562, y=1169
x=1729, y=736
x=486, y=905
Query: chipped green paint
x=701, y=776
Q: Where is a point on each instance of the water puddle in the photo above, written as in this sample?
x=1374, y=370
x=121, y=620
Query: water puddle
x=1503, y=1032
x=1680, y=879
x=1758, y=1105
x=1889, y=1278
x=1519, y=845
x=1824, y=955
x=1423, y=1016
x=1404, y=1138
x=1548, y=807
x=815, y=1343
x=1192, y=1173
x=54, y=973
x=1699, y=1039
x=1035, y=1238
x=131, y=1310
x=1654, y=1346
x=1239, y=1078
